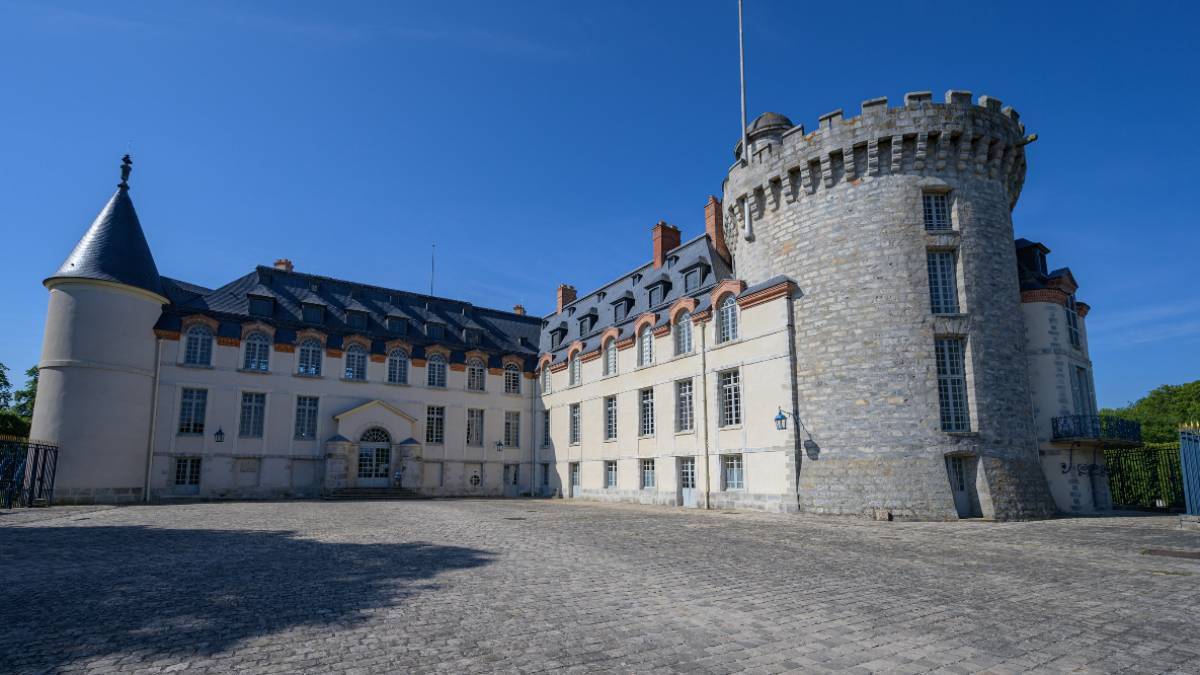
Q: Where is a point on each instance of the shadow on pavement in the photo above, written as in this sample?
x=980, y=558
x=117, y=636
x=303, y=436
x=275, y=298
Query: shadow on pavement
x=72, y=593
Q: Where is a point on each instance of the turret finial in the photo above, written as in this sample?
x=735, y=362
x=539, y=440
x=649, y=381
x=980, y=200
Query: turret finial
x=126, y=167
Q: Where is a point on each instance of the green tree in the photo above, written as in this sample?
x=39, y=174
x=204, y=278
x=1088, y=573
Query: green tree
x=12, y=424
x=5, y=388
x=25, y=398
x=1162, y=411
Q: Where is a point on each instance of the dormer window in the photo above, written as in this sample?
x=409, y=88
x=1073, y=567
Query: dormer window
x=587, y=323
x=691, y=281
x=261, y=306
x=435, y=331
x=636, y=279
x=1041, y=262
x=658, y=292
x=313, y=313
x=471, y=336
x=397, y=324
x=556, y=336
x=356, y=319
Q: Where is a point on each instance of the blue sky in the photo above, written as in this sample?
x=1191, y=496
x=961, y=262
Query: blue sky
x=536, y=143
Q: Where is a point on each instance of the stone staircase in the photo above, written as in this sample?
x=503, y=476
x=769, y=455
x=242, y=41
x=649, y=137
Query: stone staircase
x=372, y=493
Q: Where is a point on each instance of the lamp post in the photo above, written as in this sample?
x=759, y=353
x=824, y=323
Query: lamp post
x=219, y=436
x=499, y=446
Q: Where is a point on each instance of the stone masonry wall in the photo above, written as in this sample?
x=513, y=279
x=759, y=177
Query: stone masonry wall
x=840, y=211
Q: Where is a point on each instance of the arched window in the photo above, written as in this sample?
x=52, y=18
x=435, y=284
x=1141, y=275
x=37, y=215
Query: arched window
x=375, y=435
x=546, y=378
x=683, y=333
x=309, y=361
x=476, y=372
x=355, y=363
x=512, y=379
x=198, y=349
x=727, y=320
x=258, y=353
x=610, y=357
x=576, y=371
x=397, y=367
x=435, y=371
x=645, y=346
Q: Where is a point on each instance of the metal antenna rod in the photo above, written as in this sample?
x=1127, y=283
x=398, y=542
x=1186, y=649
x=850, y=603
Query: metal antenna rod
x=432, y=257
x=742, y=71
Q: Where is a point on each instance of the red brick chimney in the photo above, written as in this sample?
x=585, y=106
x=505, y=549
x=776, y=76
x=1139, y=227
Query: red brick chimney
x=666, y=239
x=713, y=227
x=519, y=309
x=283, y=264
x=566, y=295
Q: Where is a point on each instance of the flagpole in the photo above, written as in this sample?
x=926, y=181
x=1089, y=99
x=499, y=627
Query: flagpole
x=742, y=72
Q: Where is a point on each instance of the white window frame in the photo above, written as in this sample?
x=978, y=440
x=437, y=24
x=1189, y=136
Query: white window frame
x=354, y=363
x=546, y=429
x=574, y=423
x=685, y=401
x=475, y=427
x=193, y=408
x=649, y=479
x=476, y=375
x=576, y=368
x=252, y=414
x=435, y=371
x=187, y=470
x=733, y=472
x=646, y=412
x=435, y=425
x=610, y=473
x=610, y=356
x=512, y=429
x=256, y=356
x=943, y=281
x=954, y=410
x=546, y=380
x=397, y=370
x=729, y=396
x=610, y=418
x=727, y=319
x=307, y=410
x=198, y=346
x=646, y=346
x=935, y=211
x=683, y=333
x=512, y=379
x=308, y=359
x=1072, y=314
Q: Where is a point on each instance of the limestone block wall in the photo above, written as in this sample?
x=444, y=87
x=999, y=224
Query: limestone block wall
x=840, y=211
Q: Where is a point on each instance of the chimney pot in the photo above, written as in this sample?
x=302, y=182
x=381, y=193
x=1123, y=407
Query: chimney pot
x=566, y=295
x=666, y=239
x=284, y=264
x=519, y=309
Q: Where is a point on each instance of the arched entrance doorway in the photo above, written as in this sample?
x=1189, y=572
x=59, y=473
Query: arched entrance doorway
x=374, y=458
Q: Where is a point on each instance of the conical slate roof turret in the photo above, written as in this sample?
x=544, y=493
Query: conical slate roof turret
x=114, y=247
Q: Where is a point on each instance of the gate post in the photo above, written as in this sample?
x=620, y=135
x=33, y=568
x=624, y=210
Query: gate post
x=1189, y=456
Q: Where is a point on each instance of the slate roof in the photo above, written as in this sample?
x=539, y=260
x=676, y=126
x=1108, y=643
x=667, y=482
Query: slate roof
x=114, y=249
x=500, y=332
x=634, y=286
x=1029, y=270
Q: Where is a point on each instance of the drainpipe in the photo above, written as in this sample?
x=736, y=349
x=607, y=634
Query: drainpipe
x=153, y=421
x=704, y=410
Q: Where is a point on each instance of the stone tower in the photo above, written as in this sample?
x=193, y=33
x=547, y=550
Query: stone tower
x=841, y=211
x=96, y=389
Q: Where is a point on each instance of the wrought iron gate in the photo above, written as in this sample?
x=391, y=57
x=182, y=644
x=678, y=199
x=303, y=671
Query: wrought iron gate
x=1189, y=456
x=26, y=472
x=1146, y=477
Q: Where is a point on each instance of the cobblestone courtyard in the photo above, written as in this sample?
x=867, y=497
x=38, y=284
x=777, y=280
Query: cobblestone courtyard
x=469, y=586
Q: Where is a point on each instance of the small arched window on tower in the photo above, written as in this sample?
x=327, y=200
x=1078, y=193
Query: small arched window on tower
x=475, y=375
x=576, y=371
x=727, y=320
x=198, y=349
x=258, y=353
x=355, y=363
x=512, y=379
x=397, y=367
x=610, y=357
x=645, y=346
x=435, y=371
x=309, y=360
x=683, y=333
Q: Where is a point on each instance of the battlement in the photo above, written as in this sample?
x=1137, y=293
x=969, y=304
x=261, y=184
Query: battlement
x=958, y=137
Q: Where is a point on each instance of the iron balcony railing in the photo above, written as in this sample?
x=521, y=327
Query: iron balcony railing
x=1104, y=428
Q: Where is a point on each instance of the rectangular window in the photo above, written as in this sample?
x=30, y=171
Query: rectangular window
x=952, y=384
x=610, y=418
x=261, y=306
x=619, y=311
x=937, y=211
x=610, y=474
x=546, y=429
x=732, y=473
x=545, y=474
x=187, y=471
x=471, y=335
x=357, y=320
x=730, y=385
x=1085, y=401
x=396, y=324
x=475, y=426
x=656, y=296
x=943, y=282
x=647, y=473
x=512, y=429
x=254, y=408
x=306, y=417
x=684, y=420
x=191, y=411
x=435, y=424
x=647, y=412
x=435, y=331
x=1073, y=321
x=314, y=314
x=691, y=281
x=574, y=435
